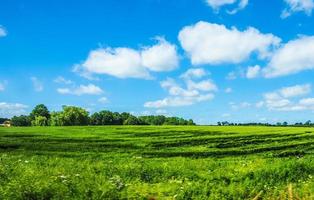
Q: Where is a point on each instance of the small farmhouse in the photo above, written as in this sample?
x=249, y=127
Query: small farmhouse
x=6, y=124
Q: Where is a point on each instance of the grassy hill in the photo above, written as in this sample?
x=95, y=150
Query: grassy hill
x=165, y=162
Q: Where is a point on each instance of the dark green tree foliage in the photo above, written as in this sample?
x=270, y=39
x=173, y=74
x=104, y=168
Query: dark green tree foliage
x=40, y=110
x=22, y=120
x=40, y=115
x=76, y=116
x=70, y=116
x=132, y=120
x=2, y=120
x=104, y=117
x=152, y=120
x=177, y=121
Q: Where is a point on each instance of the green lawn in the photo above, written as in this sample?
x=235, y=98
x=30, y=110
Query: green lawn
x=148, y=162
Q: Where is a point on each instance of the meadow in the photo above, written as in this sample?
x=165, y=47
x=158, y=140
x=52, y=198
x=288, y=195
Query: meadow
x=150, y=162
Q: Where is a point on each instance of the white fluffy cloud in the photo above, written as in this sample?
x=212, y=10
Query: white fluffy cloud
x=253, y=72
x=293, y=6
x=89, y=89
x=37, y=84
x=284, y=99
x=194, y=92
x=208, y=43
x=216, y=4
x=11, y=109
x=160, y=57
x=131, y=63
x=293, y=57
x=3, y=32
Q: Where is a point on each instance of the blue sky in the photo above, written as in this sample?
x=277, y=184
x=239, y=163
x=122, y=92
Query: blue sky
x=209, y=60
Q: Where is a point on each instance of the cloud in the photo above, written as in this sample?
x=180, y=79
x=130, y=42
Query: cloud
x=208, y=43
x=125, y=62
x=12, y=109
x=62, y=80
x=281, y=100
x=37, y=84
x=217, y=4
x=241, y=6
x=294, y=91
x=194, y=73
x=205, y=85
x=192, y=93
x=253, y=72
x=3, y=32
x=89, y=89
x=293, y=6
x=103, y=100
x=291, y=58
x=160, y=57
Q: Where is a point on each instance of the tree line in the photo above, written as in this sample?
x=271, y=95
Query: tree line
x=308, y=123
x=77, y=116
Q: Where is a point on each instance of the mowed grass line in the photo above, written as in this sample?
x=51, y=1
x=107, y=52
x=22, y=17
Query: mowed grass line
x=148, y=162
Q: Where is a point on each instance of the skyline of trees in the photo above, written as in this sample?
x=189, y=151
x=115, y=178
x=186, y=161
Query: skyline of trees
x=77, y=116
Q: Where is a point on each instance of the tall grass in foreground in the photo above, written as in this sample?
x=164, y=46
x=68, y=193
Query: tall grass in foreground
x=156, y=163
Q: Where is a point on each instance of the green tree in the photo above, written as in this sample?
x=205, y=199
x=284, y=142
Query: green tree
x=22, y=120
x=40, y=121
x=57, y=119
x=190, y=122
x=40, y=110
x=132, y=120
x=75, y=116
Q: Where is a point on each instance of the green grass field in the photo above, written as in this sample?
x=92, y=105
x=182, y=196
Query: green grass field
x=157, y=163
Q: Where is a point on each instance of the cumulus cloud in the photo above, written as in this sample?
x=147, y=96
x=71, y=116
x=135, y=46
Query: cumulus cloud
x=208, y=43
x=293, y=6
x=217, y=4
x=12, y=109
x=284, y=99
x=89, y=89
x=193, y=92
x=253, y=72
x=130, y=63
x=3, y=32
x=160, y=57
x=291, y=58
x=37, y=84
